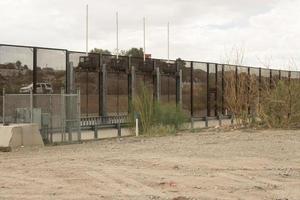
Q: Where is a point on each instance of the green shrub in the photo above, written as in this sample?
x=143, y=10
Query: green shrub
x=155, y=117
x=169, y=115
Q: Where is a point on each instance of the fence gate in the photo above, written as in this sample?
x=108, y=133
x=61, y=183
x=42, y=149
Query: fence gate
x=58, y=115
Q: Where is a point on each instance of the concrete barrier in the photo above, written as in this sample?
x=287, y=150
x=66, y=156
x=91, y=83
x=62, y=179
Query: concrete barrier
x=17, y=135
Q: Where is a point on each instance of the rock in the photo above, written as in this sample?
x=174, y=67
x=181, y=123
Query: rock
x=175, y=167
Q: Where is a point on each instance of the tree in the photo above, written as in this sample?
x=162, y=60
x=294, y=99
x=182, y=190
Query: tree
x=101, y=51
x=18, y=64
x=134, y=52
x=180, y=62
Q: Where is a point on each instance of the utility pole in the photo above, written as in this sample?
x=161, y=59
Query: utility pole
x=87, y=31
x=117, y=33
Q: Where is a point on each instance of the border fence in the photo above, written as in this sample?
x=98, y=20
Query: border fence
x=107, y=84
x=58, y=115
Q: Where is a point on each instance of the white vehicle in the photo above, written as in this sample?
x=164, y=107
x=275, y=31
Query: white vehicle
x=41, y=88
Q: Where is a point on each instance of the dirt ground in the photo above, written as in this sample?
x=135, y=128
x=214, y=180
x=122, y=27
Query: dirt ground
x=204, y=165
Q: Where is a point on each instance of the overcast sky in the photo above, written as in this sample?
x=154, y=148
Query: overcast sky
x=203, y=30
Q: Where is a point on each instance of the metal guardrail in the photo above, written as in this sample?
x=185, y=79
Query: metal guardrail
x=211, y=118
x=103, y=121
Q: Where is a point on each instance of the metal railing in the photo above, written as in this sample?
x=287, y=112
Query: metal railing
x=104, y=120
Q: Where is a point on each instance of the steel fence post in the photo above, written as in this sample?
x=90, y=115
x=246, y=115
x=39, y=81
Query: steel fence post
x=31, y=106
x=208, y=103
x=157, y=84
x=133, y=77
x=100, y=83
x=119, y=129
x=51, y=120
x=129, y=89
x=3, y=107
x=223, y=91
x=180, y=88
x=63, y=122
x=68, y=72
x=69, y=115
x=104, y=90
x=191, y=89
x=79, y=115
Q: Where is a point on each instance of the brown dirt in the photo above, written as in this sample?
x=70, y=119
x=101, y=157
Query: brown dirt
x=206, y=165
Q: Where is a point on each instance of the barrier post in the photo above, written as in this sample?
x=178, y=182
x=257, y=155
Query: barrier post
x=157, y=84
x=206, y=121
x=3, y=107
x=79, y=115
x=104, y=90
x=119, y=129
x=31, y=106
x=192, y=123
x=220, y=120
x=133, y=81
x=63, y=110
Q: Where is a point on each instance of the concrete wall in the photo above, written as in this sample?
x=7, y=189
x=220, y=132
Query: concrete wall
x=17, y=135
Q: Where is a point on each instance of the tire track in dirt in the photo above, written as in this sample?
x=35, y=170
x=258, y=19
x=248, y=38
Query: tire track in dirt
x=116, y=181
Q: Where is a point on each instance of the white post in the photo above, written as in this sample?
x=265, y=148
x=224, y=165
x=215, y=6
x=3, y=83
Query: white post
x=136, y=126
x=144, y=30
x=117, y=34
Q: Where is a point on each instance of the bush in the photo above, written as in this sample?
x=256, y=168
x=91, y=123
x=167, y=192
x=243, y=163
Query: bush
x=154, y=115
x=169, y=115
x=280, y=106
x=143, y=105
x=241, y=97
x=277, y=107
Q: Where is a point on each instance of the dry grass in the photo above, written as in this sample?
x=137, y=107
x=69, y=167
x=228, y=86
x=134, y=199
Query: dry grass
x=241, y=96
x=280, y=106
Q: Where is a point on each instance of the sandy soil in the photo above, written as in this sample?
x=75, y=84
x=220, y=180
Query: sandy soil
x=205, y=165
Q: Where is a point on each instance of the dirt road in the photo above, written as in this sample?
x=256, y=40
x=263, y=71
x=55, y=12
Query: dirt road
x=205, y=165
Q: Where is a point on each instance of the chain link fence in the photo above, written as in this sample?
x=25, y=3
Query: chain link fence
x=58, y=115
